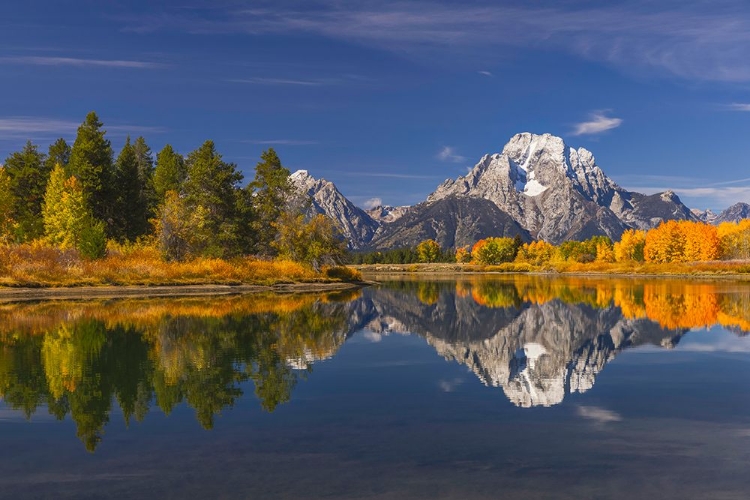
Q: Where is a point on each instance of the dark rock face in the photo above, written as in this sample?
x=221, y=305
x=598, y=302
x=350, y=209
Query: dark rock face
x=453, y=222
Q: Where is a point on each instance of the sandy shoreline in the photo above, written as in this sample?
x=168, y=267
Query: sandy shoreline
x=9, y=294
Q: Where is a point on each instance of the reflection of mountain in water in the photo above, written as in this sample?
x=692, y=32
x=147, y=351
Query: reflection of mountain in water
x=537, y=353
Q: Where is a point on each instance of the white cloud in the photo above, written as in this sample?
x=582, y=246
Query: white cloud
x=78, y=62
x=284, y=81
x=598, y=415
x=449, y=154
x=697, y=41
x=372, y=203
x=485, y=73
x=29, y=127
x=738, y=106
x=598, y=122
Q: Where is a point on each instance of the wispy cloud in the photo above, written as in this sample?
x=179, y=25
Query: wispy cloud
x=284, y=81
x=739, y=106
x=78, y=62
x=373, y=337
x=281, y=142
x=372, y=203
x=693, y=40
x=597, y=123
x=449, y=154
x=598, y=415
x=485, y=73
x=27, y=127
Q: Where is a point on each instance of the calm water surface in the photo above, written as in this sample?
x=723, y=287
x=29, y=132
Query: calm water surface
x=514, y=387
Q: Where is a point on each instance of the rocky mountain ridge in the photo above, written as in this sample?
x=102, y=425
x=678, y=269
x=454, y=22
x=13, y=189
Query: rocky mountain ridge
x=537, y=187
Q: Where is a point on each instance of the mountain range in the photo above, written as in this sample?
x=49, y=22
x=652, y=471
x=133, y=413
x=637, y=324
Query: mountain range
x=537, y=188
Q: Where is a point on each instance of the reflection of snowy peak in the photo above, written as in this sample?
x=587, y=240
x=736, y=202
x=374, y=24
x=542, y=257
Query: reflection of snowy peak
x=537, y=353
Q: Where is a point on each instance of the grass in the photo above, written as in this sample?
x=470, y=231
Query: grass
x=710, y=268
x=40, y=265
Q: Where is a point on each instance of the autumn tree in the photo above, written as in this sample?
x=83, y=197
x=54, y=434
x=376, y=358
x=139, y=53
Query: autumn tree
x=428, y=251
x=28, y=175
x=68, y=222
x=91, y=163
x=630, y=246
x=537, y=253
x=271, y=191
x=315, y=242
x=463, y=255
x=682, y=241
x=491, y=251
x=170, y=172
x=735, y=239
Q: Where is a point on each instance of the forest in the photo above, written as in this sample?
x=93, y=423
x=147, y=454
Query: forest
x=79, y=215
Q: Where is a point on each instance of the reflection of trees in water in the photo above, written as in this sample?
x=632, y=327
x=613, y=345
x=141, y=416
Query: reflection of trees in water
x=80, y=367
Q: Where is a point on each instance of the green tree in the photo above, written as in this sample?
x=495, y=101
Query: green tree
x=7, y=206
x=58, y=154
x=170, y=172
x=315, y=242
x=428, y=251
x=212, y=190
x=28, y=181
x=144, y=160
x=132, y=214
x=271, y=189
x=91, y=162
x=68, y=222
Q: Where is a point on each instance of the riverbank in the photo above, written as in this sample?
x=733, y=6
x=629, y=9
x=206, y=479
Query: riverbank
x=18, y=294
x=738, y=270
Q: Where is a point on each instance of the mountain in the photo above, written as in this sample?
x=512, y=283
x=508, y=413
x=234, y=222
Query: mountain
x=537, y=188
x=354, y=223
x=735, y=213
x=559, y=193
x=453, y=222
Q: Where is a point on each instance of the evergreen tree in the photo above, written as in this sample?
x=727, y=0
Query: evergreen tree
x=145, y=162
x=131, y=216
x=58, y=154
x=91, y=163
x=272, y=189
x=212, y=189
x=170, y=172
x=28, y=181
x=7, y=206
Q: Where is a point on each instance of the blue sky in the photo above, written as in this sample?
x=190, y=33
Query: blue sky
x=389, y=98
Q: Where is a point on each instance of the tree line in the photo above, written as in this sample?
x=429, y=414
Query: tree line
x=81, y=196
x=670, y=241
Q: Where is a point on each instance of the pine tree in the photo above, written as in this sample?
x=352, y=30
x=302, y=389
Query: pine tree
x=170, y=172
x=131, y=215
x=58, y=154
x=91, y=163
x=145, y=162
x=212, y=189
x=28, y=181
x=271, y=188
x=7, y=206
